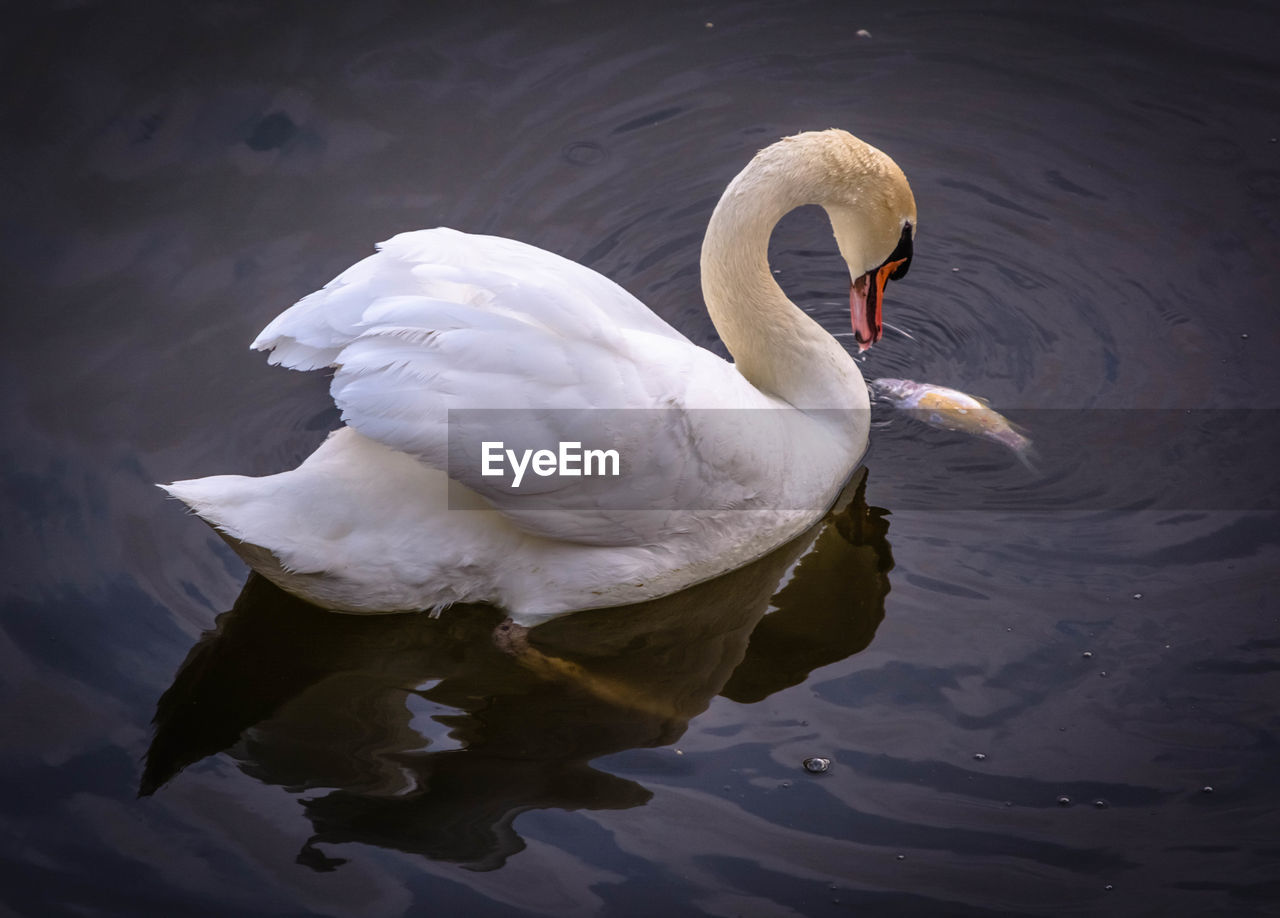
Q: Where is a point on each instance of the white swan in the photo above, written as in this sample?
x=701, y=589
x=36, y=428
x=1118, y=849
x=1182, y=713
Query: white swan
x=441, y=320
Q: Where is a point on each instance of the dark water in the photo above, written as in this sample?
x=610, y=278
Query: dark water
x=1099, y=194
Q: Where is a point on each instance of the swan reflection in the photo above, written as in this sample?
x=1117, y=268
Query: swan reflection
x=424, y=735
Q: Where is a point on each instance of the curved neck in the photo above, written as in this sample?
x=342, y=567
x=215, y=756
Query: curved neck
x=778, y=348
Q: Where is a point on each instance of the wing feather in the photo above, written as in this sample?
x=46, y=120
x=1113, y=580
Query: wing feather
x=440, y=321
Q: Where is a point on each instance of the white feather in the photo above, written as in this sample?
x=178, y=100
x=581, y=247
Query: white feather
x=440, y=321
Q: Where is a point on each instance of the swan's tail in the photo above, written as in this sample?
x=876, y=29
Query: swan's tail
x=218, y=500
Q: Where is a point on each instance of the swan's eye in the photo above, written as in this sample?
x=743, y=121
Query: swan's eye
x=902, y=253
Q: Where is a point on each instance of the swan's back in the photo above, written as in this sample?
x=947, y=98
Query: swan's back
x=443, y=338
x=489, y=275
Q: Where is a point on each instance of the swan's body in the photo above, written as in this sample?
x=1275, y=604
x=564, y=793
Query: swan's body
x=441, y=320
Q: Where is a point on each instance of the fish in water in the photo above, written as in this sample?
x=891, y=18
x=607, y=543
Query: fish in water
x=953, y=410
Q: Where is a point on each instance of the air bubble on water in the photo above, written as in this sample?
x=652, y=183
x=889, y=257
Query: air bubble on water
x=1064, y=800
x=1088, y=654
x=979, y=756
x=1101, y=804
x=1206, y=789
x=584, y=153
x=1137, y=595
x=816, y=764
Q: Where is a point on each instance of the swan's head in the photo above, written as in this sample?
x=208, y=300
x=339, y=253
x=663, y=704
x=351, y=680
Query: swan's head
x=873, y=216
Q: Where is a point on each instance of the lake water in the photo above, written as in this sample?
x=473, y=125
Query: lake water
x=1048, y=691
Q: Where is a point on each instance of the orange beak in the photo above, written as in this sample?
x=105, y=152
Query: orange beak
x=866, y=295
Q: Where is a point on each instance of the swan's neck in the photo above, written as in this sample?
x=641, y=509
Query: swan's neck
x=778, y=348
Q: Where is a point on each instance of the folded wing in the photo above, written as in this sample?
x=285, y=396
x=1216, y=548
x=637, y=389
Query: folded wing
x=443, y=341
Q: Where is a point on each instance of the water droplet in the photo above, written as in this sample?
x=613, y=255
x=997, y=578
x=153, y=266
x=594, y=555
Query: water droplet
x=1245, y=336
x=1101, y=804
x=1103, y=674
x=679, y=752
x=1137, y=595
x=1064, y=800
x=902, y=857
x=979, y=756
x=1088, y=654
x=1108, y=887
x=1008, y=629
x=862, y=33
x=955, y=269
x=816, y=764
x=709, y=25
x=584, y=153
x=1206, y=789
